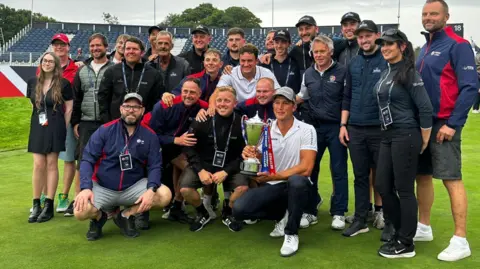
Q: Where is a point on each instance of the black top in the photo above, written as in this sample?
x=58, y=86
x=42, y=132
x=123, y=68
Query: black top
x=201, y=155
x=195, y=60
x=410, y=105
x=288, y=68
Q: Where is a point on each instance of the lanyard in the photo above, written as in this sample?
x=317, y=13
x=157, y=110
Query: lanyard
x=215, y=133
x=125, y=78
x=127, y=139
x=184, y=119
x=288, y=71
x=389, y=90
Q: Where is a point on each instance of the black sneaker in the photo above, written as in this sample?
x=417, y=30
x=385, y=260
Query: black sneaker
x=142, y=221
x=396, y=249
x=177, y=214
x=356, y=228
x=232, y=224
x=200, y=222
x=388, y=232
x=126, y=225
x=95, y=229
x=47, y=212
x=69, y=211
x=36, y=211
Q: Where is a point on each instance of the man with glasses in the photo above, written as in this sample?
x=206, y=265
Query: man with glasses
x=121, y=166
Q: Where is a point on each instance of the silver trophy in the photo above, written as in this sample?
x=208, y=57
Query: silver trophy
x=252, y=133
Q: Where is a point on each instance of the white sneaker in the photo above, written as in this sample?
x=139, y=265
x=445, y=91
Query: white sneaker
x=210, y=211
x=290, y=245
x=423, y=236
x=250, y=221
x=279, y=229
x=378, y=220
x=475, y=111
x=338, y=222
x=166, y=214
x=455, y=251
x=307, y=220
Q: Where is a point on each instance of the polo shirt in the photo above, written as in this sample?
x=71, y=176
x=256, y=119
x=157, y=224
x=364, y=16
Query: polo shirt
x=286, y=149
x=246, y=89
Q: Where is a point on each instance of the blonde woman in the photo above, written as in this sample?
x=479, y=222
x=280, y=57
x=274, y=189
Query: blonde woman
x=51, y=96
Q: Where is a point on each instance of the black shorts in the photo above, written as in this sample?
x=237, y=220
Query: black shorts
x=442, y=161
x=190, y=179
x=85, y=131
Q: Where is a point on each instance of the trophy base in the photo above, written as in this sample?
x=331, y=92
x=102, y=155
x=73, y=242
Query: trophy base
x=248, y=173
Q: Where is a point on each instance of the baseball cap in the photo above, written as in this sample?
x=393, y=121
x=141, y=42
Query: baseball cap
x=132, y=95
x=350, y=16
x=392, y=35
x=286, y=92
x=282, y=34
x=202, y=29
x=367, y=25
x=155, y=27
x=306, y=20
x=61, y=37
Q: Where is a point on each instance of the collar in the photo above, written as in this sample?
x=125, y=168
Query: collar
x=329, y=67
x=295, y=127
x=138, y=66
x=240, y=75
x=448, y=30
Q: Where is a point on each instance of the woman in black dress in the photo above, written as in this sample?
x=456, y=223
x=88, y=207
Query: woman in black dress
x=51, y=96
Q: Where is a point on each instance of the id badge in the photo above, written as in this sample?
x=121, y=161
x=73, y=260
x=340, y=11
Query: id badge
x=219, y=158
x=125, y=162
x=42, y=119
x=386, y=116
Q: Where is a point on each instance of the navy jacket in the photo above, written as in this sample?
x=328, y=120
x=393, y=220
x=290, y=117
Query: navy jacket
x=325, y=94
x=206, y=85
x=363, y=73
x=251, y=107
x=280, y=70
x=101, y=164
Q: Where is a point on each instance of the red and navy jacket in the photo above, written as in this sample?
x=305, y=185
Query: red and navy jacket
x=69, y=71
x=170, y=122
x=447, y=66
x=251, y=107
x=207, y=86
x=100, y=161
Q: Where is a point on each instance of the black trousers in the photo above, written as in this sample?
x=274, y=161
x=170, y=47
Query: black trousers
x=476, y=105
x=396, y=171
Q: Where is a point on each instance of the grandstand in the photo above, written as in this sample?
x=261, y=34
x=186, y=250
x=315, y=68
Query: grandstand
x=33, y=41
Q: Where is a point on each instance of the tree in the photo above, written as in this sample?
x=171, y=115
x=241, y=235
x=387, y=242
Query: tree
x=13, y=20
x=208, y=15
x=110, y=19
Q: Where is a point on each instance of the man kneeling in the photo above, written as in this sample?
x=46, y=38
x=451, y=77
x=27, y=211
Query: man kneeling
x=112, y=172
x=294, y=145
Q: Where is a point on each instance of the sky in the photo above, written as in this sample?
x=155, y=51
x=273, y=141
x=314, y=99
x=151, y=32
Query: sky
x=286, y=12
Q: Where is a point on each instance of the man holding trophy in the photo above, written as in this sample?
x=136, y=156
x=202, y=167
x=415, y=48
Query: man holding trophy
x=286, y=185
x=215, y=158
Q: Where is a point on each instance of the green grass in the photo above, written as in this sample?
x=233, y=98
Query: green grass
x=61, y=243
x=15, y=114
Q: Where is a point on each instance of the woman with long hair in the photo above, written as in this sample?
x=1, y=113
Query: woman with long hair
x=51, y=96
x=406, y=116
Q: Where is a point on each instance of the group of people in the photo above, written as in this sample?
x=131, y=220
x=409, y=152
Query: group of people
x=149, y=129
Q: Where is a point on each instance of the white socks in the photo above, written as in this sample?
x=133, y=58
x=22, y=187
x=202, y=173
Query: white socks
x=424, y=228
x=460, y=240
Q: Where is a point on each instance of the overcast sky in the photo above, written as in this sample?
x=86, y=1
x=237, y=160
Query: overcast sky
x=286, y=12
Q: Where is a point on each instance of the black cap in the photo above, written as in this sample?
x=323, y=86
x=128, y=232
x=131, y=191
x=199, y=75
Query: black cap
x=155, y=27
x=306, y=20
x=367, y=25
x=202, y=29
x=282, y=34
x=350, y=16
x=392, y=35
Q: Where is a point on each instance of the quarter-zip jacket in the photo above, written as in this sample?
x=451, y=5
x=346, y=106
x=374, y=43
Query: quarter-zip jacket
x=112, y=88
x=363, y=73
x=101, y=163
x=177, y=69
x=351, y=49
x=409, y=104
x=85, y=87
x=447, y=66
x=206, y=84
x=174, y=121
x=195, y=60
x=251, y=107
x=286, y=69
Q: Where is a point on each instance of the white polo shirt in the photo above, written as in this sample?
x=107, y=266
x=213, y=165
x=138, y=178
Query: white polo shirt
x=246, y=89
x=286, y=149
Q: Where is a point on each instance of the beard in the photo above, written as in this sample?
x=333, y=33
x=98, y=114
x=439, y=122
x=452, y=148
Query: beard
x=128, y=121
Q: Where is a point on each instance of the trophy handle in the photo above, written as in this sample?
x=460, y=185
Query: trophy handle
x=244, y=133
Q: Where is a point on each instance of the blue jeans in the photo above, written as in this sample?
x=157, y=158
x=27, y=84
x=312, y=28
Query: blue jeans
x=327, y=137
x=270, y=202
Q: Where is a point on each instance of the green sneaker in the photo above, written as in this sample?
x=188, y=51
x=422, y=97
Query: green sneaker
x=63, y=203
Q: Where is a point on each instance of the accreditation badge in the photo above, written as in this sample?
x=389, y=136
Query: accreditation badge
x=125, y=162
x=219, y=158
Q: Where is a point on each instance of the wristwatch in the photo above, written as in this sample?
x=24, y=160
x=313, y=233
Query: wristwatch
x=154, y=189
x=343, y=125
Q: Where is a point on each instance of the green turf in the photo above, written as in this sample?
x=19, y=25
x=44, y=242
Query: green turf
x=15, y=114
x=61, y=243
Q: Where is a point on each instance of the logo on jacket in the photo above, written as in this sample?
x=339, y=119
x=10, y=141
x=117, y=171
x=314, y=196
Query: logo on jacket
x=173, y=74
x=140, y=141
x=435, y=53
x=377, y=70
x=333, y=78
x=469, y=67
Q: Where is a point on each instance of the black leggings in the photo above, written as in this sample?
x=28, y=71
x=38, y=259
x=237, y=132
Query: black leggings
x=395, y=181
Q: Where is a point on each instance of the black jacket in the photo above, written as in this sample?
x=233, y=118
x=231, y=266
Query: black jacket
x=280, y=71
x=177, y=70
x=112, y=88
x=195, y=60
x=350, y=50
x=200, y=156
